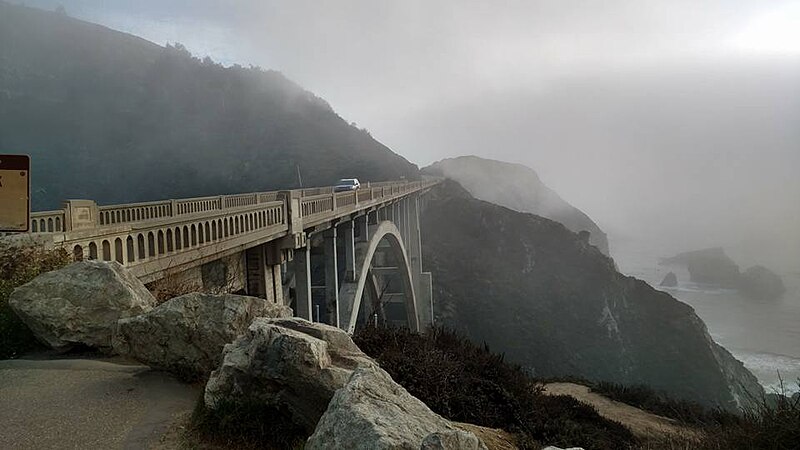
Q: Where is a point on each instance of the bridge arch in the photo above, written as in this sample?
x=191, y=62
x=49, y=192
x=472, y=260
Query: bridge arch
x=351, y=294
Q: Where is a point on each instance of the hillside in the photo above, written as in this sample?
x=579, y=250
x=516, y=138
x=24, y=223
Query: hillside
x=555, y=304
x=517, y=187
x=109, y=116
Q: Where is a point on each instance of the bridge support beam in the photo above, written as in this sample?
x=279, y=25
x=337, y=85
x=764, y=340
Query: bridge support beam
x=423, y=286
x=263, y=270
x=348, y=230
x=331, y=277
x=302, y=276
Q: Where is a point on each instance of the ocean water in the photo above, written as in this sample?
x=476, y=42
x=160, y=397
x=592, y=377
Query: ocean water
x=764, y=335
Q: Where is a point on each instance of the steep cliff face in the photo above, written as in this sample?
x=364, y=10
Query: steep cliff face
x=532, y=289
x=517, y=187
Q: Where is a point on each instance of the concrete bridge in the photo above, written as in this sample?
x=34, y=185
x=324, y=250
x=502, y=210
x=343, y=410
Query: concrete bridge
x=346, y=258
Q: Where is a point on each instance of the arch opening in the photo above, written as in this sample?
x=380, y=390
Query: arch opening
x=384, y=250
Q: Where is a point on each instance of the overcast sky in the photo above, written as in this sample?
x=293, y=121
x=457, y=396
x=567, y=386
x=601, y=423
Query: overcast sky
x=674, y=119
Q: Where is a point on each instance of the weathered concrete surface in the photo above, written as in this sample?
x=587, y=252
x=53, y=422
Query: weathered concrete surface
x=87, y=404
x=288, y=363
x=185, y=335
x=372, y=412
x=80, y=304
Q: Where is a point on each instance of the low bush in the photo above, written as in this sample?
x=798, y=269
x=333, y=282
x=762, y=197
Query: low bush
x=467, y=383
x=243, y=427
x=19, y=265
x=773, y=423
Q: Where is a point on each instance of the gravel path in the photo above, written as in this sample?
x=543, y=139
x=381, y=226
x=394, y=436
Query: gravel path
x=88, y=404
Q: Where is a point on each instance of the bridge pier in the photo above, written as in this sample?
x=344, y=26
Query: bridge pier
x=263, y=268
x=302, y=277
x=331, y=277
x=349, y=250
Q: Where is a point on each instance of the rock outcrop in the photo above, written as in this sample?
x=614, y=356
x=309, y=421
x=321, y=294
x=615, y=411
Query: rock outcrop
x=373, y=412
x=713, y=266
x=709, y=266
x=185, y=335
x=517, y=187
x=557, y=306
x=760, y=283
x=670, y=280
x=80, y=304
x=291, y=364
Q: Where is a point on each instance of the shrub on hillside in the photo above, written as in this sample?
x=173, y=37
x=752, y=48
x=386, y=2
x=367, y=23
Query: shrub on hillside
x=19, y=265
x=774, y=423
x=467, y=383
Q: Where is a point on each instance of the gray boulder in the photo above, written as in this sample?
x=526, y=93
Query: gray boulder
x=373, y=412
x=80, y=304
x=291, y=364
x=186, y=334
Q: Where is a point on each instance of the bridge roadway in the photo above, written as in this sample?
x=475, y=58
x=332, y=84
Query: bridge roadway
x=265, y=244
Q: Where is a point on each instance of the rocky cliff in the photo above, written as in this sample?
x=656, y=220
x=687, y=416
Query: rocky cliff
x=517, y=187
x=529, y=287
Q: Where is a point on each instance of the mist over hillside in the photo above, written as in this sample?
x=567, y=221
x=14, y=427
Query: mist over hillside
x=103, y=114
x=517, y=187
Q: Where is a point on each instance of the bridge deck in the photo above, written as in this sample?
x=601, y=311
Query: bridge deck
x=168, y=236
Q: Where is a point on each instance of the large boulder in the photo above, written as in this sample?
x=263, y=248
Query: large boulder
x=291, y=364
x=80, y=304
x=373, y=412
x=186, y=334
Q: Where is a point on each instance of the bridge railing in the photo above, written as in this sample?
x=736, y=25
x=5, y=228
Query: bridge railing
x=144, y=245
x=162, y=209
x=47, y=221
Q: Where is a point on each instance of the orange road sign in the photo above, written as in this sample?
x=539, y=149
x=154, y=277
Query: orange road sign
x=15, y=192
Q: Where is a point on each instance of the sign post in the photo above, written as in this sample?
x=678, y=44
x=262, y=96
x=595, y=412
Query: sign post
x=15, y=193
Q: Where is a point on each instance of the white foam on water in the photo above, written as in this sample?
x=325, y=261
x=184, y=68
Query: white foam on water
x=772, y=370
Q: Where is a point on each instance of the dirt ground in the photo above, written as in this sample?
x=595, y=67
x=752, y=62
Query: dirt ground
x=88, y=404
x=641, y=423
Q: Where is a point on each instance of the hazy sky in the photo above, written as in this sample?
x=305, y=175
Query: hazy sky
x=675, y=119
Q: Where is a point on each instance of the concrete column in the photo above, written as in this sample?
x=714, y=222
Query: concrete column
x=331, y=278
x=349, y=251
x=368, y=225
x=124, y=251
x=256, y=272
x=422, y=280
x=361, y=223
x=302, y=276
x=274, y=283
